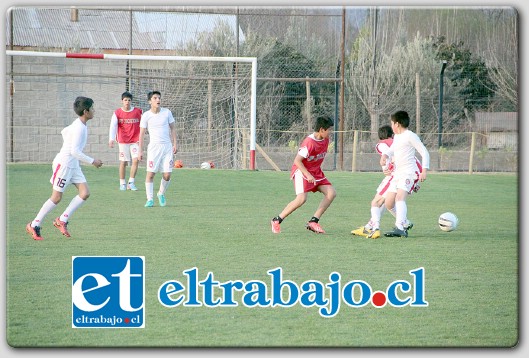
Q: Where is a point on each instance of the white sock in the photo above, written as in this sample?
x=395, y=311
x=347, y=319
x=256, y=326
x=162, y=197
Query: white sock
x=402, y=212
x=75, y=204
x=131, y=180
x=376, y=214
x=46, y=208
x=163, y=185
x=122, y=181
x=149, y=189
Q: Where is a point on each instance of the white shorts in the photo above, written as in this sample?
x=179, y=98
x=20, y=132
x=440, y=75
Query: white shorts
x=387, y=185
x=128, y=151
x=63, y=176
x=160, y=158
x=407, y=182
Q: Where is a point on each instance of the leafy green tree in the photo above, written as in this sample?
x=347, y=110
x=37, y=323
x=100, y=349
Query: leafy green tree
x=468, y=75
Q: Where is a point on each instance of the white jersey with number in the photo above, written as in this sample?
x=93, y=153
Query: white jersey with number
x=158, y=126
x=403, y=150
x=74, y=140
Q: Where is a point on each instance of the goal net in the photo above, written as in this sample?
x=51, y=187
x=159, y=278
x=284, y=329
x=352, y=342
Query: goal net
x=212, y=100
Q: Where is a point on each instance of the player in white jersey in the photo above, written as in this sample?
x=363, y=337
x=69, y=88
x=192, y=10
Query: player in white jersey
x=402, y=152
x=162, y=146
x=66, y=170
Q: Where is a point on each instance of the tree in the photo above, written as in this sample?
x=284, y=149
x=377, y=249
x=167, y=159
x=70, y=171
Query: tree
x=468, y=75
x=388, y=82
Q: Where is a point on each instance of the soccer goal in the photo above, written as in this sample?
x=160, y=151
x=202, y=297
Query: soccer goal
x=212, y=99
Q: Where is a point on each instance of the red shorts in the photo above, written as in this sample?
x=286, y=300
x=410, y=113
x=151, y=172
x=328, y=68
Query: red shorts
x=301, y=185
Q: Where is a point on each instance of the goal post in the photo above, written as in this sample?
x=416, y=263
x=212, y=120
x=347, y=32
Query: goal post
x=213, y=100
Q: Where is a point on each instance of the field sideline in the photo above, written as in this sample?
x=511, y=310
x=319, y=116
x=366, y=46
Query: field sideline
x=219, y=221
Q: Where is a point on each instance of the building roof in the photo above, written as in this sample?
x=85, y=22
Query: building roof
x=109, y=29
x=496, y=121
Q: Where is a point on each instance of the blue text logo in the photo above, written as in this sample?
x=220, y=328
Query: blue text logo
x=108, y=292
x=280, y=292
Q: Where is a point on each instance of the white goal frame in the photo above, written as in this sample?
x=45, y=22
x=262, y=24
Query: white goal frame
x=252, y=60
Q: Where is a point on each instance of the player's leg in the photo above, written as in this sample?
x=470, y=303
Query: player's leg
x=134, y=150
x=376, y=210
x=79, y=180
x=329, y=193
x=124, y=158
x=122, y=171
x=60, y=179
x=301, y=190
x=34, y=227
x=154, y=159
x=149, y=189
x=403, y=187
x=167, y=169
x=298, y=201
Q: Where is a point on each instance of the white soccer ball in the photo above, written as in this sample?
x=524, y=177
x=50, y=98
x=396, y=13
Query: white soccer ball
x=448, y=221
x=205, y=165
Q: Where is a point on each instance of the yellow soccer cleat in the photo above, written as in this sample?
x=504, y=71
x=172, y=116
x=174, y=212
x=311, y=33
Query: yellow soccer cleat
x=361, y=231
x=374, y=234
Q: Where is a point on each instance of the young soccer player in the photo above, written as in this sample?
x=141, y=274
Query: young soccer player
x=386, y=188
x=372, y=228
x=66, y=170
x=159, y=122
x=125, y=129
x=405, y=144
x=308, y=176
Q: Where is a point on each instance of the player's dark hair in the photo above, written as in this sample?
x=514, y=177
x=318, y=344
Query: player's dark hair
x=126, y=94
x=152, y=93
x=385, y=132
x=402, y=118
x=324, y=122
x=81, y=104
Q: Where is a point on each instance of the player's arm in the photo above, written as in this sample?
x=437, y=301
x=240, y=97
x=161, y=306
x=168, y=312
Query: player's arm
x=141, y=143
x=380, y=149
x=386, y=156
x=425, y=156
x=298, y=161
x=113, y=130
x=173, y=137
x=77, y=149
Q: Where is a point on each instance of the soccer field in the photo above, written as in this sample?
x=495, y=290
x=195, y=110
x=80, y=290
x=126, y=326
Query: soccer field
x=218, y=221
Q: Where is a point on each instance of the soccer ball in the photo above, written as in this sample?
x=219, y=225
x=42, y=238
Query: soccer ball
x=448, y=221
x=178, y=164
x=205, y=165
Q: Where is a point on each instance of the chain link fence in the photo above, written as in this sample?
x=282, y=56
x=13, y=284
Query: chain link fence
x=306, y=59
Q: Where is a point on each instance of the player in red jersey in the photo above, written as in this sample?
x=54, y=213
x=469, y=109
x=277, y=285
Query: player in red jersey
x=308, y=176
x=125, y=129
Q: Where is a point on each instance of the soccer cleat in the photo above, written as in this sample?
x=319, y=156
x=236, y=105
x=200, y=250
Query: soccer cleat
x=161, y=199
x=122, y=187
x=62, y=226
x=396, y=232
x=34, y=231
x=315, y=227
x=361, y=231
x=276, y=226
x=409, y=226
x=374, y=234
x=149, y=203
x=132, y=187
